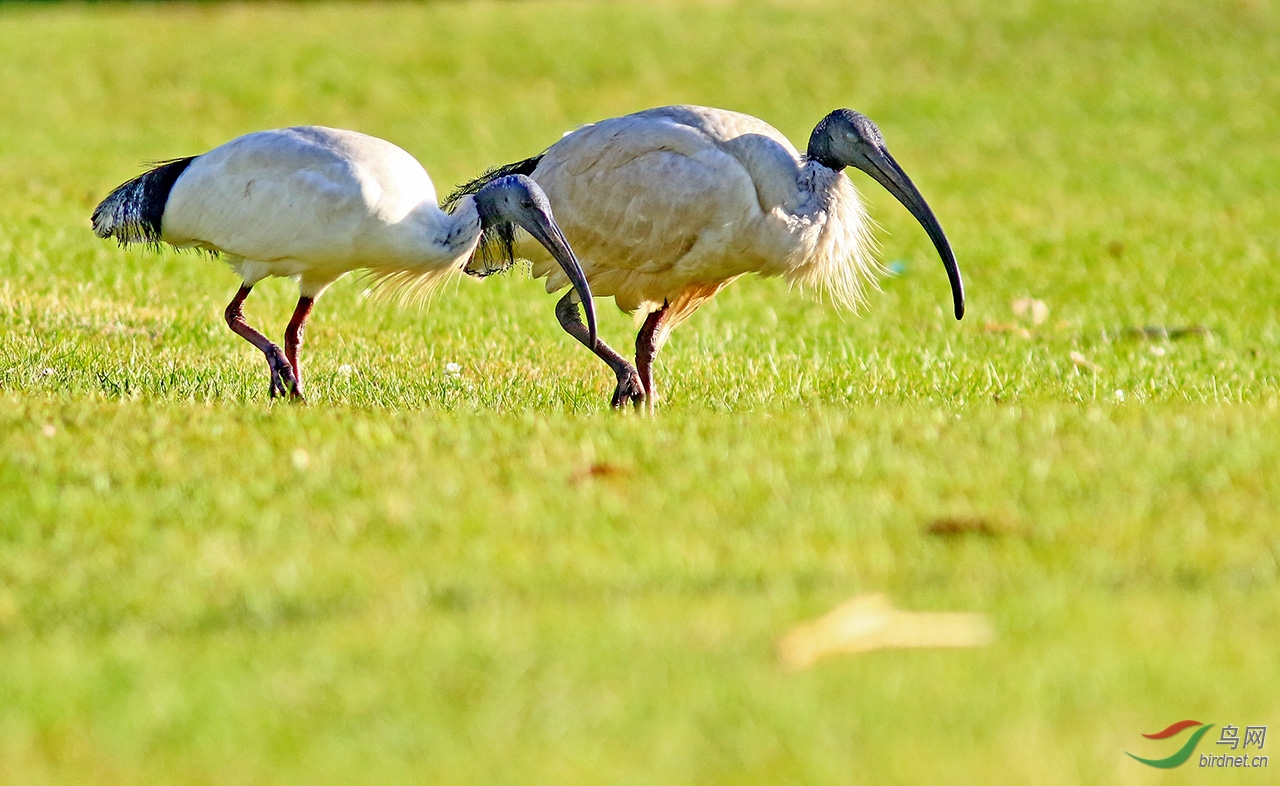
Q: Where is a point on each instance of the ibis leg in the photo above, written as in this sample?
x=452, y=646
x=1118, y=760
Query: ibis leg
x=646, y=350
x=293, y=340
x=629, y=387
x=283, y=381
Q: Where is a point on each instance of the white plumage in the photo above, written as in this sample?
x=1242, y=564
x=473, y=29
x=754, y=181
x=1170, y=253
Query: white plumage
x=314, y=204
x=680, y=197
x=667, y=206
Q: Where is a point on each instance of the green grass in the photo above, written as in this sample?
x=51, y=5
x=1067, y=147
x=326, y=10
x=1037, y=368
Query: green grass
x=487, y=576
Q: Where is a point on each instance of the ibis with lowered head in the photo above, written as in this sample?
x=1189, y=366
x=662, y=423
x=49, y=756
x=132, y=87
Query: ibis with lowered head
x=667, y=206
x=313, y=204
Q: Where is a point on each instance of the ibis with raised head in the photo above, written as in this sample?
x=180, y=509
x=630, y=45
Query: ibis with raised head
x=667, y=206
x=313, y=204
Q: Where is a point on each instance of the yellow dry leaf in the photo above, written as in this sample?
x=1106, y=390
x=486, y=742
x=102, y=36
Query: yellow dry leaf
x=1004, y=327
x=870, y=622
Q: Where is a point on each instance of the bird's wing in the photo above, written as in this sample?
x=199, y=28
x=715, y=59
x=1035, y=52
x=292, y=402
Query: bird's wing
x=654, y=201
x=769, y=158
x=303, y=193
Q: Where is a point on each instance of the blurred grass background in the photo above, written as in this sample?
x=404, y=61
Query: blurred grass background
x=484, y=576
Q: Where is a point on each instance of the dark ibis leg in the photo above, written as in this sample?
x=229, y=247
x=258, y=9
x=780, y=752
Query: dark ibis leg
x=629, y=387
x=646, y=350
x=293, y=340
x=283, y=381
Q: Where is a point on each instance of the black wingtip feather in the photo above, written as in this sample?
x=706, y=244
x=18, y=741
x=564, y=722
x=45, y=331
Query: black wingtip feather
x=134, y=211
x=496, y=251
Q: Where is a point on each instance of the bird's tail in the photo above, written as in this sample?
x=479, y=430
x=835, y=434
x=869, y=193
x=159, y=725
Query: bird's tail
x=496, y=250
x=133, y=212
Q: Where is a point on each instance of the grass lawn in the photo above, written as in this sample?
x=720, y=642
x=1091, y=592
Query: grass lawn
x=479, y=574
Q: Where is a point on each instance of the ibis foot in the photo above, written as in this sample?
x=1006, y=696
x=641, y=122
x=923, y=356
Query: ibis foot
x=630, y=389
x=283, y=382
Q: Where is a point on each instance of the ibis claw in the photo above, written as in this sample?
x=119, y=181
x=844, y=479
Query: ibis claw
x=629, y=390
x=284, y=384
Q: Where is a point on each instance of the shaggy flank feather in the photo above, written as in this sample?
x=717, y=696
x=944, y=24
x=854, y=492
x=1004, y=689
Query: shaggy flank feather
x=410, y=287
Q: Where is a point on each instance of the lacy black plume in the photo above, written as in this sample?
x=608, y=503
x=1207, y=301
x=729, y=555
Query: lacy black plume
x=496, y=251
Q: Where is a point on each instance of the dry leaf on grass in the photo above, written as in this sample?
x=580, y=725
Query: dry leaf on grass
x=1157, y=332
x=1037, y=310
x=600, y=469
x=1084, y=362
x=870, y=622
x=1004, y=327
x=960, y=525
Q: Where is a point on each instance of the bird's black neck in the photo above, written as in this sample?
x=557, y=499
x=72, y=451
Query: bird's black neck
x=819, y=150
x=828, y=161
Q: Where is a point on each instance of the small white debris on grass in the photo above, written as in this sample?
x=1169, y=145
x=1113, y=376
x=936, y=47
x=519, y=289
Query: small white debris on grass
x=870, y=622
x=1158, y=351
x=47, y=372
x=453, y=368
x=1029, y=306
x=49, y=430
x=301, y=459
x=346, y=370
x=1119, y=394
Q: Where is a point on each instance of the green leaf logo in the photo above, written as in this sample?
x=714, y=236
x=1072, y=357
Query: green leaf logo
x=1183, y=753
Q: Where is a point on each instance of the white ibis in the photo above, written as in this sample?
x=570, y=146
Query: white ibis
x=667, y=206
x=314, y=204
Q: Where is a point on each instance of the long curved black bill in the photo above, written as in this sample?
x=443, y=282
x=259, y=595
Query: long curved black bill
x=547, y=232
x=887, y=173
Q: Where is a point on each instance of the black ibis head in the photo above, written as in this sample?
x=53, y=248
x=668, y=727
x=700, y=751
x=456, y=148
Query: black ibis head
x=516, y=199
x=847, y=138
